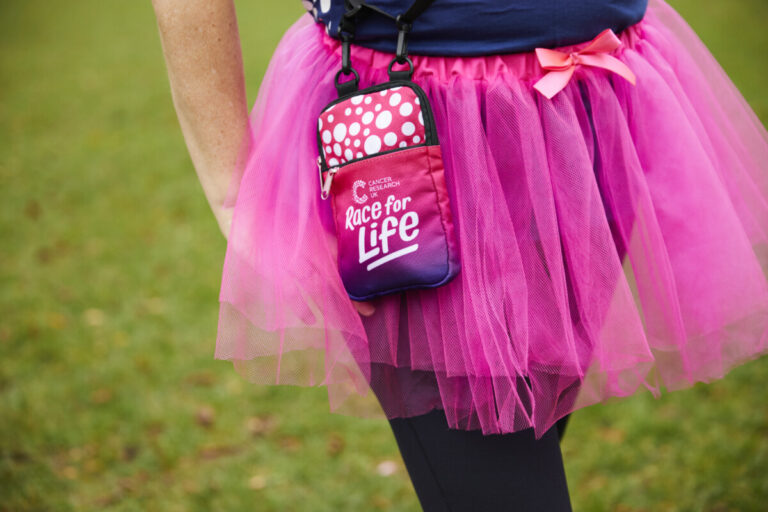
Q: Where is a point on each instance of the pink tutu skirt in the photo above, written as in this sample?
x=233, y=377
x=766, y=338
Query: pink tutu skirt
x=612, y=239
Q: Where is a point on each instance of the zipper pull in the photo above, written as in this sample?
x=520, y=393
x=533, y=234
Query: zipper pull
x=327, y=183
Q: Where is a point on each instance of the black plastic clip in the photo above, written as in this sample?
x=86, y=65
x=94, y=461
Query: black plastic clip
x=346, y=68
x=401, y=53
x=346, y=59
x=403, y=29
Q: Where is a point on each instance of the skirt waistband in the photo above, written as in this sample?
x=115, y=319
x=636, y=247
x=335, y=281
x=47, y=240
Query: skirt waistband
x=523, y=65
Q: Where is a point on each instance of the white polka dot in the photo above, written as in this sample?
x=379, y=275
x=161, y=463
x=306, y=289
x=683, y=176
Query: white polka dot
x=367, y=117
x=366, y=131
x=327, y=136
x=406, y=109
x=359, y=110
x=354, y=129
x=394, y=99
x=340, y=131
x=377, y=108
x=330, y=118
x=337, y=149
x=356, y=100
x=359, y=155
x=384, y=92
x=421, y=119
x=390, y=139
x=357, y=143
x=333, y=162
x=416, y=139
x=325, y=5
x=408, y=128
x=328, y=149
x=403, y=144
x=348, y=111
x=416, y=101
x=384, y=119
x=396, y=88
x=368, y=100
x=348, y=154
x=320, y=123
x=372, y=144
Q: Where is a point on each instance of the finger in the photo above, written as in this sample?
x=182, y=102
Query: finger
x=364, y=308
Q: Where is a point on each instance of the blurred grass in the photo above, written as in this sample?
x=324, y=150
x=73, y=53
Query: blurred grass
x=109, y=269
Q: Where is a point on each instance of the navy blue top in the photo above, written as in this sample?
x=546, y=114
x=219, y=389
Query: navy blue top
x=482, y=27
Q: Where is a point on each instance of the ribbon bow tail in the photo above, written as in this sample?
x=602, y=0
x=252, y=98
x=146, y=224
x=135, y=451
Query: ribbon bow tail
x=554, y=82
x=611, y=63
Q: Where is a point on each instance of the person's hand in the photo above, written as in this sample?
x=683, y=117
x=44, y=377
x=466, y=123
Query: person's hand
x=364, y=308
x=224, y=219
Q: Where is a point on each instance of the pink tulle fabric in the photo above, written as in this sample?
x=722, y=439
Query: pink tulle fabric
x=613, y=239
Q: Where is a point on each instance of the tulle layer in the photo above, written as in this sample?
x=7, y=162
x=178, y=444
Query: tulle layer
x=613, y=239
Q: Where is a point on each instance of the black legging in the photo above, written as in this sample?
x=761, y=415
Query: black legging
x=458, y=470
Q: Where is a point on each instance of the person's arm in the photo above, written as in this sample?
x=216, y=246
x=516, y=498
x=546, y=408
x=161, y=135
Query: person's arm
x=205, y=67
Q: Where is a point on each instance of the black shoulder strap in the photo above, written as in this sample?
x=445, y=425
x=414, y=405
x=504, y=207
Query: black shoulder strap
x=415, y=10
x=357, y=8
x=355, y=11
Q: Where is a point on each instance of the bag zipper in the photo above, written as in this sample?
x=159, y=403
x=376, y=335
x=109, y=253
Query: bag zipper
x=325, y=188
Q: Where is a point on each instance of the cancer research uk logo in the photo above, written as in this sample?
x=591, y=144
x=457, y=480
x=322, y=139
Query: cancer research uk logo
x=393, y=214
x=358, y=199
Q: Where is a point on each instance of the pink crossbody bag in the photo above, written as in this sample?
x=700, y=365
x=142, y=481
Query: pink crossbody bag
x=381, y=167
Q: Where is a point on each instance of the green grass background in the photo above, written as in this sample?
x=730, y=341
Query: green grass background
x=110, y=398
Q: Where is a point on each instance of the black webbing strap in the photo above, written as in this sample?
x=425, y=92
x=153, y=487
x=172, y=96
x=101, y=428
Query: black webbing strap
x=404, y=25
x=355, y=11
x=414, y=11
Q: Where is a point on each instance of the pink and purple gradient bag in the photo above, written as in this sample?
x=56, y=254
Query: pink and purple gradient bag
x=380, y=164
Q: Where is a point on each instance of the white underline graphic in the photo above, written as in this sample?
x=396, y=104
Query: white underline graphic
x=392, y=255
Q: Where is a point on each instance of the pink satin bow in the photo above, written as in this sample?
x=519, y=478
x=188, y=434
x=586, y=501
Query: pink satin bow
x=561, y=66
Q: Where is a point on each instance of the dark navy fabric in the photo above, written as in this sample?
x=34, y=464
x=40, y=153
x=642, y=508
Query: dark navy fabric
x=483, y=27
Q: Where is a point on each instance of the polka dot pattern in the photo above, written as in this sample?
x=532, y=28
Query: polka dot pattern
x=373, y=122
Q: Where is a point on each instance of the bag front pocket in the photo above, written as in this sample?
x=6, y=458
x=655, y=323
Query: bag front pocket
x=380, y=119
x=393, y=223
